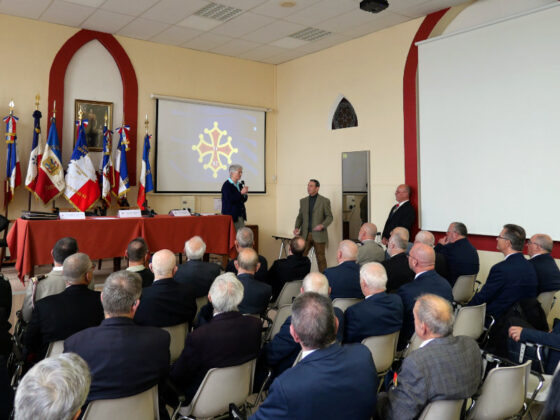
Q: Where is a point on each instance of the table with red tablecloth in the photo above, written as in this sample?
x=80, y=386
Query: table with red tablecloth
x=31, y=241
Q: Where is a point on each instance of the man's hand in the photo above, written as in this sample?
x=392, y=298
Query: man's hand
x=318, y=228
x=297, y=231
x=244, y=190
x=384, y=241
x=443, y=241
x=515, y=333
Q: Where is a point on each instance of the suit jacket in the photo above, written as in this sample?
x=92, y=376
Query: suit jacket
x=200, y=274
x=124, y=358
x=509, y=281
x=378, y=314
x=461, y=257
x=295, y=267
x=337, y=382
x=256, y=295
x=233, y=202
x=447, y=368
x=550, y=339
x=58, y=316
x=229, y=339
x=322, y=215
x=166, y=303
x=344, y=280
x=146, y=275
x=281, y=352
x=398, y=271
x=441, y=266
x=427, y=282
x=548, y=275
x=404, y=216
x=260, y=275
x=370, y=251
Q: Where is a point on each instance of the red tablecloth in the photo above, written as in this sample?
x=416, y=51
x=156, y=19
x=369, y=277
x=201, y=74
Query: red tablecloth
x=31, y=241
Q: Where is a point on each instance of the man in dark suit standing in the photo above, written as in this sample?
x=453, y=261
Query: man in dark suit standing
x=397, y=268
x=58, y=316
x=313, y=218
x=512, y=279
x=443, y=368
x=539, y=248
x=119, y=345
x=166, y=302
x=294, y=267
x=331, y=381
x=379, y=313
x=245, y=239
x=344, y=278
x=422, y=261
x=461, y=256
x=138, y=258
x=200, y=274
x=228, y=339
x=234, y=196
x=401, y=214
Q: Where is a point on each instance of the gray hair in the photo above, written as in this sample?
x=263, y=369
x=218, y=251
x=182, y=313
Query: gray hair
x=402, y=232
x=163, y=263
x=195, y=248
x=234, y=168
x=544, y=241
x=316, y=282
x=75, y=267
x=245, y=238
x=515, y=234
x=425, y=237
x=313, y=320
x=247, y=259
x=374, y=276
x=459, y=228
x=348, y=249
x=122, y=289
x=370, y=230
x=226, y=292
x=436, y=312
x=398, y=241
x=53, y=389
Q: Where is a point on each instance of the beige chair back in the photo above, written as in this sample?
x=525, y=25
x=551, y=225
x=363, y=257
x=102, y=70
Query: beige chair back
x=345, y=303
x=143, y=406
x=200, y=302
x=442, y=409
x=178, y=334
x=546, y=300
x=281, y=315
x=219, y=388
x=469, y=321
x=414, y=344
x=56, y=347
x=298, y=358
x=289, y=291
x=503, y=393
x=383, y=349
x=463, y=290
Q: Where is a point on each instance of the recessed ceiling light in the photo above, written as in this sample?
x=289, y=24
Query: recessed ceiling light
x=287, y=3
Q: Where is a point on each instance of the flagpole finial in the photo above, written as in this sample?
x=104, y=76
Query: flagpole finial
x=147, y=123
x=80, y=115
x=54, y=109
x=105, y=119
x=11, y=104
x=37, y=98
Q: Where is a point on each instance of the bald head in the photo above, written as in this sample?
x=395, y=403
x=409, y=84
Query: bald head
x=402, y=232
x=163, y=264
x=347, y=251
x=76, y=269
x=297, y=246
x=247, y=261
x=422, y=258
x=373, y=278
x=540, y=243
x=425, y=237
x=315, y=282
x=368, y=231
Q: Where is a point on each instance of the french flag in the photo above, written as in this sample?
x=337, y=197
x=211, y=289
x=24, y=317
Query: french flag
x=50, y=178
x=146, y=183
x=122, y=183
x=13, y=170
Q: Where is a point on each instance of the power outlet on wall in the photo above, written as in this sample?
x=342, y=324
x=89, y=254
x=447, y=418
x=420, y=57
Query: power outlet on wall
x=188, y=202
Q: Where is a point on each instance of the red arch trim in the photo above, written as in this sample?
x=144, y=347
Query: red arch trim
x=128, y=76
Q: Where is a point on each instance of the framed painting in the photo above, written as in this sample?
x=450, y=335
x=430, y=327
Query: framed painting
x=94, y=112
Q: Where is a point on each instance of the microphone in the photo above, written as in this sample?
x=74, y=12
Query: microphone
x=241, y=184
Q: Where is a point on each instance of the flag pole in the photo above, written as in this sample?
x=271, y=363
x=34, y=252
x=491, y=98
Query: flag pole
x=54, y=116
x=7, y=185
x=37, y=97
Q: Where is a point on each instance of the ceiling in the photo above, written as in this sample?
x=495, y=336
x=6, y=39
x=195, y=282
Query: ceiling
x=268, y=31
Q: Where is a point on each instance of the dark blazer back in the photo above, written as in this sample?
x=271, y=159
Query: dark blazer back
x=398, y=271
x=260, y=275
x=548, y=274
x=200, y=274
x=256, y=295
x=295, y=267
x=461, y=257
x=344, y=280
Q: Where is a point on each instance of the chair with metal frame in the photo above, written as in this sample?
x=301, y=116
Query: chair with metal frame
x=469, y=321
x=443, y=409
x=547, y=300
x=178, y=334
x=345, y=303
x=142, y=406
x=463, y=289
x=383, y=349
x=289, y=291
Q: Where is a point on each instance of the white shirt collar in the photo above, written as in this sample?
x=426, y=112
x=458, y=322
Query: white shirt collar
x=425, y=342
x=420, y=274
x=306, y=353
x=55, y=268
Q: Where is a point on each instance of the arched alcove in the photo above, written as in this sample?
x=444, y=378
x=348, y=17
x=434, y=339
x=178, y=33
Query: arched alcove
x=344, y=116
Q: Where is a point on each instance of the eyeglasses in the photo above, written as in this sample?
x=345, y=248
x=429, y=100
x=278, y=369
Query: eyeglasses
x=530, y=243
x=501, y=237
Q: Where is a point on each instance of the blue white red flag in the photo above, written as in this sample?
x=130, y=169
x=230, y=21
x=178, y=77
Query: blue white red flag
x=13, y=171
x=82, y=189
x=122, y=184
x=146, y=183
x=107, y=169
x=35, y=155
x=50, y=177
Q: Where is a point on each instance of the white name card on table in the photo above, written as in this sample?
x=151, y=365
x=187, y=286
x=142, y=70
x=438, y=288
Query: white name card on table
x=72, y=215
x=180, y=212
x=130, y=213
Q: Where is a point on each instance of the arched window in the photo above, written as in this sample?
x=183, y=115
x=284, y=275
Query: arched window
x=344, y=116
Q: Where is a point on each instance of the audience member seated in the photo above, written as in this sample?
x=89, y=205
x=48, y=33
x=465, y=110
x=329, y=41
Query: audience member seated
x=539, y=248
x=119, y=345
x=194, y=271
x=421, y=260
x=344, y=278
x=55, y=388
x=370, y=251
x=397, y=268
x=510, y=280
x=551, y=339
x=443, y=368
x=294, y=267
x=166, y=302
x=53, y=283
x=425, y=237
x=280, y=353
x=228, y=339
x=403, y=233
x=57, y=317
x=461, y=256
x=245, y=239
x=138, y=259
x=331, y=381
x=379, y=313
